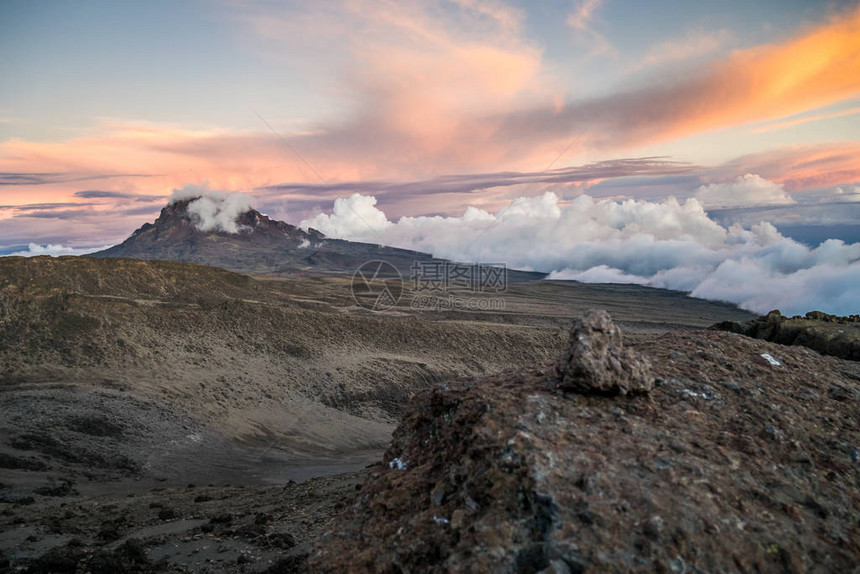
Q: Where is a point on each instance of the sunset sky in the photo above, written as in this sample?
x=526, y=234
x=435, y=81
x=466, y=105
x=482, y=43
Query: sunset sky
x=428, y=106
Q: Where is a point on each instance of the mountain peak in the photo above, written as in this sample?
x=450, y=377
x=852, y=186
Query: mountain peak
x=226, y=231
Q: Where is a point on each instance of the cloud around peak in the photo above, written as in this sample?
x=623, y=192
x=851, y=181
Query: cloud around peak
x=213, y=210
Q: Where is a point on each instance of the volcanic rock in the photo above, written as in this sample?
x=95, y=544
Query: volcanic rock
x=597, y=361
x=732, y=464
x=827, y=334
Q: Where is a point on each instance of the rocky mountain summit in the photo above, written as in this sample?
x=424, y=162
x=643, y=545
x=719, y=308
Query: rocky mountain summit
x=251, y=243
x=743, y=457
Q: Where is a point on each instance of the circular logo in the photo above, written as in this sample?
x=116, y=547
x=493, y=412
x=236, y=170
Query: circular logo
x=377, y=285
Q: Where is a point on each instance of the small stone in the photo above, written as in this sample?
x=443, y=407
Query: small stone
x=459, y=519
x=438, y=494
x=167, y=514
x=598, y=362
x=653, y=527
x=556, y=567
x=244, y=559
x=773, y=433
x=224, y=518
x=677, y=565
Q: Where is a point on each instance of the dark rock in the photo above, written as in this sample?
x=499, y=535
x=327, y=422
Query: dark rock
x=225, y=518
x=282, y=540
x=109, y=532
x=95, y=426
x=17, y=498
x=57, y=561
x=289, y=565
x=167, y=514
x=13, y=462
x=251, y=531
x=262, y=518
x=598, y=362
x=129, y=557
x=63, y=489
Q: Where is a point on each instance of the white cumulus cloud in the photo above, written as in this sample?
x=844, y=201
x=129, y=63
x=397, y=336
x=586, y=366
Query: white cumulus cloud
x=747, y=190
x=664, y=244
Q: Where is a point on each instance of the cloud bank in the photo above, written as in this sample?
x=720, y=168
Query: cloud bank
x=665, y=244
x=34, y=249
x=213, y=210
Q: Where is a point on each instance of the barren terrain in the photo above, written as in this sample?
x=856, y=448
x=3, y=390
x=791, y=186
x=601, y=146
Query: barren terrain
x=122, y=376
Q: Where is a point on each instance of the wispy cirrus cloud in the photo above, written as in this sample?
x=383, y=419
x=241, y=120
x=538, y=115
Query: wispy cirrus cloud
x=46, y=178
x=696, y=43
x=44, y=206
x=582, y=21
x=806, y=119
x=102, y=194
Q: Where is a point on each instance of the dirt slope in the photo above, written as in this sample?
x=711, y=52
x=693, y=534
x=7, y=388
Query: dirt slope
x=165, y=363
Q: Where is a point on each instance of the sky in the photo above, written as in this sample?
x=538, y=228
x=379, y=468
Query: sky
x=433, y=109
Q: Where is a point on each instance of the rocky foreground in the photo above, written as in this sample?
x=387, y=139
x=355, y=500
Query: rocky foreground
x=692, y=452
x=687, y=452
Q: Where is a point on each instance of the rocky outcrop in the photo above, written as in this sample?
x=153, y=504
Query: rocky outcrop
x=597, y=361
x=827, y=334
x=733, y=462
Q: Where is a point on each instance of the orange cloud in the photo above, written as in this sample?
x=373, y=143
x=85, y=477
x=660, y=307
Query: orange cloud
x=427, y=86
x=817, y=68
x=814, y=70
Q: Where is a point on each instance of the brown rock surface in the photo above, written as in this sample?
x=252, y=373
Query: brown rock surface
x=732, y=463
x=827, y=334
x=597, y=361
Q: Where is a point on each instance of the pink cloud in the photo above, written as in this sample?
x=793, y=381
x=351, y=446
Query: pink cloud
x=806, y=167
